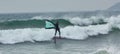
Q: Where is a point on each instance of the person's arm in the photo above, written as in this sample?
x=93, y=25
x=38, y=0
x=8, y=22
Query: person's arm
x=51, y=22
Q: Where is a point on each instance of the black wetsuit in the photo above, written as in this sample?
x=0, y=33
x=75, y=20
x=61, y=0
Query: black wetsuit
x=57, y=29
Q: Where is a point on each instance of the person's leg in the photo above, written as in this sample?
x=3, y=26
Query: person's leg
x=55, y=32
x=59, y=33
x=54, y=38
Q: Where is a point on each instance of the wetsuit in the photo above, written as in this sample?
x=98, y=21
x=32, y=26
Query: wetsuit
x=57, y=29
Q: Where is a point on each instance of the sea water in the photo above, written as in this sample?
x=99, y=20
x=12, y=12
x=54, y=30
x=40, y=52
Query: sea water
x=86, y=34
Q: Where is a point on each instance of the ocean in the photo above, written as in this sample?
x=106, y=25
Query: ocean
x=82, y=32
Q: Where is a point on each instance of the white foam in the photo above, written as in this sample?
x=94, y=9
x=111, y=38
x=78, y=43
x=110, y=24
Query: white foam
x=31, y=34
x=21, y=35
x=86, y=21
x=41, y=18
x=110, y=50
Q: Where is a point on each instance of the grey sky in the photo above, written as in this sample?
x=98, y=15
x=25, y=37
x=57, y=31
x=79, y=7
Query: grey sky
x=12, y=6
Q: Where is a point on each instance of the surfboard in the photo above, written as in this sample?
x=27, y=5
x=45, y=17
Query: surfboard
x=58, y=37
x=49, y=25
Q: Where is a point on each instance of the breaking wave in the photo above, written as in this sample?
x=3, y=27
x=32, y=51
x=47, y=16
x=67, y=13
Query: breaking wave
x=37, y=34
x=39, y=22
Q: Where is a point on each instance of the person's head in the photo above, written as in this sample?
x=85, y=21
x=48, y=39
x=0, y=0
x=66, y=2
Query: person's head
x=57, y=22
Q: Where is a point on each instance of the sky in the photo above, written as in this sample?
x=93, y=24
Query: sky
x=19, y=6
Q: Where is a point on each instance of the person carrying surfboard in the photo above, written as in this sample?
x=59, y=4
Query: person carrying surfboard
x=51, y=25
x=57, y=28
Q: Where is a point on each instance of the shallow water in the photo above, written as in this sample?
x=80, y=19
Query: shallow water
x=93, y=45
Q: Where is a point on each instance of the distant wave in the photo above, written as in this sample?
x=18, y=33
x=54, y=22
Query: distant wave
x=39, y=22
x=30, y=24
x=77, y=20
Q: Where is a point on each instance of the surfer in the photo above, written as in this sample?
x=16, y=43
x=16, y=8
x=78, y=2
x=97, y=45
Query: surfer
x=57, y=28
x=52, y=25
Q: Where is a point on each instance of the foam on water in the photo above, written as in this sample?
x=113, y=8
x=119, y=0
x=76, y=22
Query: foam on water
x=107, y=50
x=86, y=21
x=31, y=34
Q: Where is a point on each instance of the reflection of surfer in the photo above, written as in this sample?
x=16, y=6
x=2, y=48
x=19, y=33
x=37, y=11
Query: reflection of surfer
x=57, y=28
